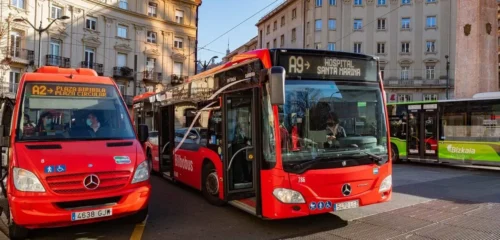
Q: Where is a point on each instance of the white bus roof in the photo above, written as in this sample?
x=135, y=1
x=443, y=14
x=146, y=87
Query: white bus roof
x=486, y=95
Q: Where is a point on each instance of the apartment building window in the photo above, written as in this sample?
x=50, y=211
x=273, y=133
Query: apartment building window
x=294, y=13
x=430, y=72
x=178, y=66
x=357, y=48
x=179, y=16
x=381, y=24
x=152, y=7
x=405, y=72
x=55, y=12
x=275, y=25
x=15, y=43
x=17, y=3
x=294, y=35
x=430, y=97
x=282, y=41
x=404, y=2
x=268, y=29
x=333, y=2
x=267, y=45
x=14, y=76
x=331, y=46
x=308, y=27
x=332, y=24
x=380, y=48
x=317, y=45
x=55, y=47
x=123, y=4
x=178, y=42
x=358, y=2
x=381, y=2
x=319, y=3
x=121, y=60
x=358, y=24
x=89, y=57
x=431, y=46
x=404, y=98
x=91, y=23
x=122, y=31
x=405, y=23
x=121, y=87
x=151, y=37
x=431, y=22
x=274, y=43
x=282, y=20
x=405, y=47
x=150, y=64
x=318, y=24
x=431, y=1
x=382, y=72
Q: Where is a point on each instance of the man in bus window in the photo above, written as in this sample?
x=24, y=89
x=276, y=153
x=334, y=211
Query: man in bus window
x=44, y=124
x=95, y=125
x=29, y=126
x=333, y=131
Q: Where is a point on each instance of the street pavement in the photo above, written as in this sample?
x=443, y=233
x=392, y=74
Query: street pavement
x=429, y=202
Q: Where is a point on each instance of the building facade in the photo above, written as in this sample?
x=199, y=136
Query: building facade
x=248, y=46
x=414, y=39
x=143, y=45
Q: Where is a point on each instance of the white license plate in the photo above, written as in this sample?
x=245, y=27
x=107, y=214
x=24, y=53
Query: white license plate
x=75, y=216
x=346, y=205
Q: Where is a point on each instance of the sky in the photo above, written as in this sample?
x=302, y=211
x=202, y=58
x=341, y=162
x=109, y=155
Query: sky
x=218, y=16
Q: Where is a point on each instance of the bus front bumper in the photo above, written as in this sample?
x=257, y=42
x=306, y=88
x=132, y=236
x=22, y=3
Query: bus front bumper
x=44, y=212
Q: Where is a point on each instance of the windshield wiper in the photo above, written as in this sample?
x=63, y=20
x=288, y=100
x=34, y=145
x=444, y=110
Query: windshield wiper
x=378, y=159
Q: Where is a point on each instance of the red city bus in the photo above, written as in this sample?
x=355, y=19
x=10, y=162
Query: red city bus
x=73, y=156
x=279, y=133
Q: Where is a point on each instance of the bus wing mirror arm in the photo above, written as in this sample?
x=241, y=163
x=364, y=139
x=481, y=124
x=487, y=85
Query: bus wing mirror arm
x=277, y=85
x=143, y=133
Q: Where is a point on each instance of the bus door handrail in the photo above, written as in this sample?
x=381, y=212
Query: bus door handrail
x=236, y=153
x=163, y=149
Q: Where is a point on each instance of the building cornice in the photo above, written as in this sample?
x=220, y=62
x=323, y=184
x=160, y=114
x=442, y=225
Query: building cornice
x=143, y=16
x=275, y=11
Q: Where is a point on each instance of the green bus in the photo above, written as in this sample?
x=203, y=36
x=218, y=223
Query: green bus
x=461, y=131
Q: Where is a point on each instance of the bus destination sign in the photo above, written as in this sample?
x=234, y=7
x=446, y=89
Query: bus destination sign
x=328, y=67
x=68, y=91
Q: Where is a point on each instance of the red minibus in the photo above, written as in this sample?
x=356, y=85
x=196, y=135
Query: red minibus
x=278, y=133
x=72, y=155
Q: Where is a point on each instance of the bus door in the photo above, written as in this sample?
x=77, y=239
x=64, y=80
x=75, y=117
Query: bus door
x=413, y=141
x=430, y=131
x=166, y=137
x=422, y=132
x=240, y=161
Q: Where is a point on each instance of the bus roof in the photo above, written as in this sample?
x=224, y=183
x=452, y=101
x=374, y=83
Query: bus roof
x=143, y=96
x=56, y=74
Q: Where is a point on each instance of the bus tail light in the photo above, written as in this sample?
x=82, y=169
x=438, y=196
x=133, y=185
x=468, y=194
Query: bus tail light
x=26, y=181
x=386, y=184
x=141, y=173
x=288, y=196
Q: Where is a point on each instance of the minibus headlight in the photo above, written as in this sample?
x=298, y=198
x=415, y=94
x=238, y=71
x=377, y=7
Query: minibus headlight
x=288, y=196
x=141, y=173
x=386, y=184
x=26, y=181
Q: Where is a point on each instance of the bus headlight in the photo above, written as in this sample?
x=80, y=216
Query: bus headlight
x=27, y=181
x=288, y=196
x=141, y=173
x=386, y=184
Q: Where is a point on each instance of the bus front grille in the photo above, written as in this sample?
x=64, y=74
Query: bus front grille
x=75, y=183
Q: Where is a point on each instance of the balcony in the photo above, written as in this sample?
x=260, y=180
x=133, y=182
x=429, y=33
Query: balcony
x=20, y=55
x=153, y=77
x=177, y=79
x=123, y=72
x=58, y=61
x=414, y=83
x=98, y=67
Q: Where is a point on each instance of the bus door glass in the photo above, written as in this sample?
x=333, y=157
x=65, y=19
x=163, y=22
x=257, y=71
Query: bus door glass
x=239, y=160
x=430, y=130
x=165, y=147
x=414, y=130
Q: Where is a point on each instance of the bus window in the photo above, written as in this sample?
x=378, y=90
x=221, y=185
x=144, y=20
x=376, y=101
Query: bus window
x=454, y=121
x=484, y=123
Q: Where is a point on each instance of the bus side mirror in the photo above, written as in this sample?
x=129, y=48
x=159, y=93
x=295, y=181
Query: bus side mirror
x=143, y=133
x=277, y=85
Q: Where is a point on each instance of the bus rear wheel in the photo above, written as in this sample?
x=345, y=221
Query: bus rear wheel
x=210, y=185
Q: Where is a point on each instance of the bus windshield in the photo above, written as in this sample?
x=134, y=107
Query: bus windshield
x=321, y=119
x=71, y=111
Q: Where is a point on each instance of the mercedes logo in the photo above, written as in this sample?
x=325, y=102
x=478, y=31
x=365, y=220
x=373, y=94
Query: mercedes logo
x=91, y=182
x=346, y=189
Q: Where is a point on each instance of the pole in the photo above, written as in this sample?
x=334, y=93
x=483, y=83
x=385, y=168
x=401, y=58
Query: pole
x=447, y=78
x=39, y=49
x=135, y=75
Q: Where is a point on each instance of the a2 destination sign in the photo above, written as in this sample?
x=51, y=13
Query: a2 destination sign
x=68, y=90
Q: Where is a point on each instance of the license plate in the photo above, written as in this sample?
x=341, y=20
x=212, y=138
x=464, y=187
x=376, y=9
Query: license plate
x=75, y=216
x=346, y=205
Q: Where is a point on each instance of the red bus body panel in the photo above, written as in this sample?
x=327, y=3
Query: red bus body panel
x=37, y=210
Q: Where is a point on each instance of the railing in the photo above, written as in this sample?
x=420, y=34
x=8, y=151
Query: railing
x=416, y=83
x=123, y=72
x=177, y=79
x=58, y=61
x=98, y=67
x=20, y=53
x=152, y=76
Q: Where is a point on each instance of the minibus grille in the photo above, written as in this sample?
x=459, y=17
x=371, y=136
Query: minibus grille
x=74, y=183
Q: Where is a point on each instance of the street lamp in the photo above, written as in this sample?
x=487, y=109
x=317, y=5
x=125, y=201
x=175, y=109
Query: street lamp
x=40, y=30
x=447, y=76
x=205, y=65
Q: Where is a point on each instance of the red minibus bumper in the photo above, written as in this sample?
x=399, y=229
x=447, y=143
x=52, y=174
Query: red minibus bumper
x=42, y=212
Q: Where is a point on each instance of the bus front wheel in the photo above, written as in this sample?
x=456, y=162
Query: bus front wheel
x=210, y=185
x=395, y=154
x=15, y=231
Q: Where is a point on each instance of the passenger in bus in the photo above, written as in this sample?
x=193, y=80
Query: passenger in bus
x=333, y=131
x=242, y=166
x=28, y=126
x=44, y=124
x=96, y=129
